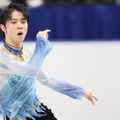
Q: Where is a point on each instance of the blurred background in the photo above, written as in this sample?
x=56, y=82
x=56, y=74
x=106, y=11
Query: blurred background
x=86, y=38
x=73, y=19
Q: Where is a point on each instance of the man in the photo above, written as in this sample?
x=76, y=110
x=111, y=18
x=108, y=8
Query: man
x=19, y=70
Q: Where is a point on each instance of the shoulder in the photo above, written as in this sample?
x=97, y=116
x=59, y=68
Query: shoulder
x=4, y=55
x=3, y=50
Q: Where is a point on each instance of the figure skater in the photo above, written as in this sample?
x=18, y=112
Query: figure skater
x=19, y=70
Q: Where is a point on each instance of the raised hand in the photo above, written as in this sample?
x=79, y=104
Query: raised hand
x=43, y=33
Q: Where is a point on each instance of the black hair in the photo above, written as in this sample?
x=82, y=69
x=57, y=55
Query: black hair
x=6, y=13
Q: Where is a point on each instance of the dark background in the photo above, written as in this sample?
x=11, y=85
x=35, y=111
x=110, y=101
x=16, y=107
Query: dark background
x=76, y=20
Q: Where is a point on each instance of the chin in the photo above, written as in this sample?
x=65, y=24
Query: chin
x=20, y=41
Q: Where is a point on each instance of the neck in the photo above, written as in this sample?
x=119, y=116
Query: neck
x=13, y=49
x=13, y=44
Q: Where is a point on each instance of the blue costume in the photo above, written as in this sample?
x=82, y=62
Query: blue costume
x=18, y=98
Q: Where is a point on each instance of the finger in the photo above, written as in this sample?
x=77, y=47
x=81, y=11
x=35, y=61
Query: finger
x=95, y=97
x=91, y=100
x=48, y=30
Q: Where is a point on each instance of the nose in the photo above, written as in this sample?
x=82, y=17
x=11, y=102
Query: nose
x=20, y=26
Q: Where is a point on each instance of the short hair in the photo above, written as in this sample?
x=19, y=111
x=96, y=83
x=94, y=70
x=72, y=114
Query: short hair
x=6, y=13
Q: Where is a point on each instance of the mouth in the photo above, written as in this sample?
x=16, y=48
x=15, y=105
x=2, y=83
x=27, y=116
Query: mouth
x=20, y=33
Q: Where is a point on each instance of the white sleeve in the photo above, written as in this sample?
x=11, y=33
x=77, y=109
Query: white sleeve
x=60, y=85
x=33, y=66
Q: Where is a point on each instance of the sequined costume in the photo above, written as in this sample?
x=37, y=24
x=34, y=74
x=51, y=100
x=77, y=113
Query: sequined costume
x=18, y=98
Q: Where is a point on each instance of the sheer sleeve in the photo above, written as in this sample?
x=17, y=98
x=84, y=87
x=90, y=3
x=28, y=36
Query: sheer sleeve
x=33, y=66
x=60, y=85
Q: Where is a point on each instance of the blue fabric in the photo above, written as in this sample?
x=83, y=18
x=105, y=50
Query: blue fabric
x=18, y=98
x=79, y=22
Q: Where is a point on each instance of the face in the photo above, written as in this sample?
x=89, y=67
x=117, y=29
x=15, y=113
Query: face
x=16, y=29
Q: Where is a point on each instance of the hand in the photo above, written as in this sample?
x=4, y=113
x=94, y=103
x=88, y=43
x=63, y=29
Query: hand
x=43, y=33
x=90, y=96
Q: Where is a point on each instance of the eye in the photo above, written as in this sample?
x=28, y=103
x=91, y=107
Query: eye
x=24, y=21
x=13, y=22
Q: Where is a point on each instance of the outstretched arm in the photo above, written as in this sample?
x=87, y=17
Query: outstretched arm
x=64, y=87
x=60, y=85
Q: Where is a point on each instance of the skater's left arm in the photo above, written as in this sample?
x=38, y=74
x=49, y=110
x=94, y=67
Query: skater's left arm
x=65, y=87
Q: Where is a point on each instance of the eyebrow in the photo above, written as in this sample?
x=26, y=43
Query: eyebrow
x=17, y=19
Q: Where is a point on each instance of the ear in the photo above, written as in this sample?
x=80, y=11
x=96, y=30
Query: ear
x=2, y=27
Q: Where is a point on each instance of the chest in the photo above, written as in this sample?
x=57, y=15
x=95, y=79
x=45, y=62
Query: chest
x=23, y=58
